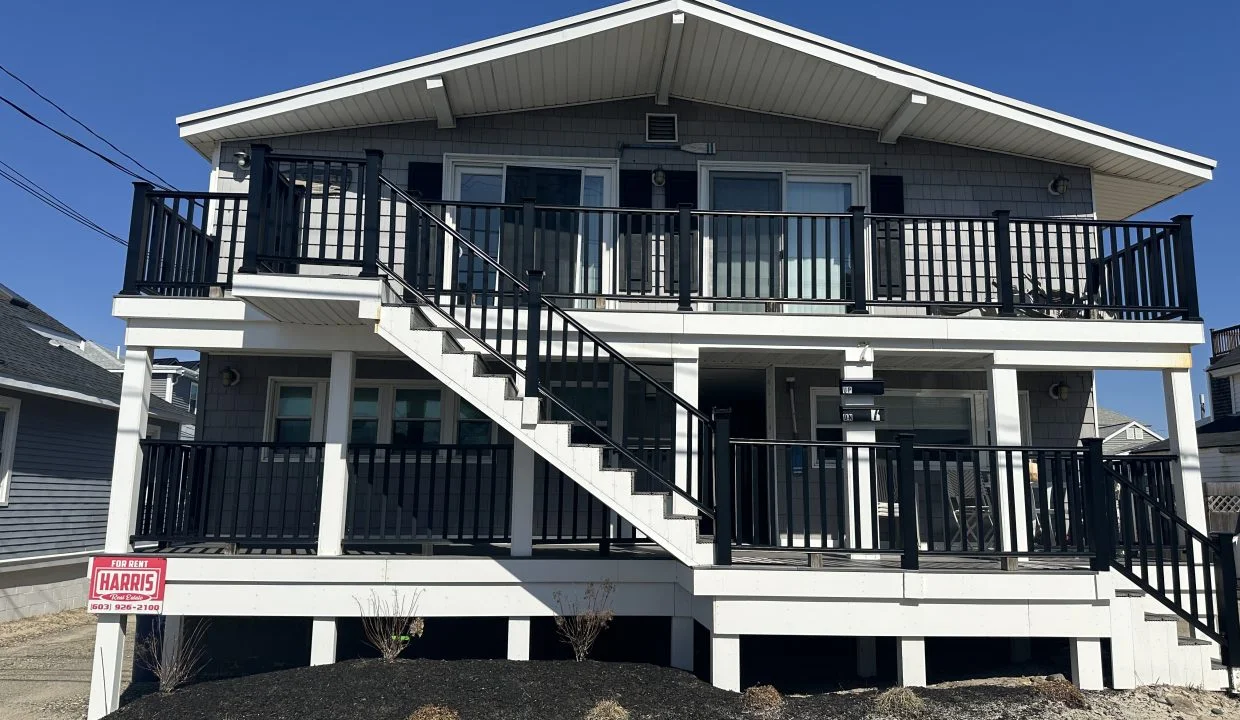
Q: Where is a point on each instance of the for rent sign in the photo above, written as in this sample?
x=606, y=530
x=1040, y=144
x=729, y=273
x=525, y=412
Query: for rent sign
x=127, y=585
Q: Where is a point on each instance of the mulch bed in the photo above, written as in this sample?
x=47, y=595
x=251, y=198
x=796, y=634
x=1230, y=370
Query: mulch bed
x=502, y=690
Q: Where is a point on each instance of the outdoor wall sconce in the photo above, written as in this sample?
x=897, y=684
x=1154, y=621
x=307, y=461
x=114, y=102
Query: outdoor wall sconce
x=1059, y=185
x=229, y=377
x=658, y=178
x=243, y=159
x=1059, y=391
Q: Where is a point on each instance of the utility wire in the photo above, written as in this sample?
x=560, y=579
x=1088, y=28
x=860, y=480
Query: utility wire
x=84, y=126
x=85, y=147
x=8, y=171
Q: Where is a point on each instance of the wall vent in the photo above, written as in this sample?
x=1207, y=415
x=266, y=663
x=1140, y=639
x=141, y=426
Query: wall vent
x=661, y=127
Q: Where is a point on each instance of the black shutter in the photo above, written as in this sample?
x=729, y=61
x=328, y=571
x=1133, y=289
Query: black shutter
x=426, y=181
x=887, y=198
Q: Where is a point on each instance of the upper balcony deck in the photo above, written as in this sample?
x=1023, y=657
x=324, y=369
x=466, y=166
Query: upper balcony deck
x=315, y=215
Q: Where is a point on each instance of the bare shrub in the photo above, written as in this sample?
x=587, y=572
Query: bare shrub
x=580, y=621
x=763, y=701
x=1061, y=690
x=390, y=625
x=607, y=710
x=899, y=702
x=178, y=665
x=435, y=712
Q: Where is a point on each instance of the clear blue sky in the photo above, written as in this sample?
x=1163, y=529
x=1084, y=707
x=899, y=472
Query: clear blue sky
x=1169, y=72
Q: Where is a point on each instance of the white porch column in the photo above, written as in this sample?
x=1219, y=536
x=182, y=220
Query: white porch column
x=1003, y=402
x=867, y=656
x=522, y=522
x=685, y=384
x=725, y=661
x=334, y=503
x=323, y=641
x=1086, y=663
x=106, y=662
x=682, y=642
x=518, y=638
x=1189, y=494
x=911, y=661
x=859, y=365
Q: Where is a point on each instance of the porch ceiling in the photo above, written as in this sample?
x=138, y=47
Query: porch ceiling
x=708, y=52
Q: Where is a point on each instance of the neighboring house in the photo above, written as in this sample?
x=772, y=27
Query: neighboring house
x=484, y=303
x=58, y=418
x=176, y=381
x=1121, y=434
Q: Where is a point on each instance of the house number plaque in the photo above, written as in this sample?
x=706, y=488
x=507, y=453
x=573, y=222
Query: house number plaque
x=861, y=387
x=861, y=414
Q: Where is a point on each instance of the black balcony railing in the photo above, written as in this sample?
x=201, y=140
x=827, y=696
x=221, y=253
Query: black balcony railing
x=1224, y=341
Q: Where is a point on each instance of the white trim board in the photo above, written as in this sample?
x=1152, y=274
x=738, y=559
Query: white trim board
x=12, y=408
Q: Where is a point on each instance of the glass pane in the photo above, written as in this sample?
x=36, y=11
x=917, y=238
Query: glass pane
x=296, y=401
x=816, y=245
x=474, y=432
x=469, y=412
x=827, y=410
x=481, y=187
x=366, y=402
x=415, y=432
x=416, y=403
x=745, y=246
x=818, y=196
x=292, y=431
x=548, y=186
x=364, y=432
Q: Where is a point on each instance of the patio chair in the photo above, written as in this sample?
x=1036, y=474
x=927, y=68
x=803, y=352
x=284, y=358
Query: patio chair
x=970, y=513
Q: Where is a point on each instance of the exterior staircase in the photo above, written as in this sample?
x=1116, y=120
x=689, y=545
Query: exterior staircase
x=1162, y=646
x=424, y=334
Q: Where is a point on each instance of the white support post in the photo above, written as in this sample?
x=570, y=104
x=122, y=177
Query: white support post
x=859, y=365
x=911, y=661
x=518, y=638
x=106, y=663
x=1003, y=402
x=682, y=642
x=106, y=666
x=685, y=384
x=335, y=460
x=1182, y=431
x=1086, y=663
x=323, y=641
x=522, y=521
x=725, y=661
x=867, y=656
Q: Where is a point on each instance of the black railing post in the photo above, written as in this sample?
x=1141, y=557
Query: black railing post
x=1100, y=519
x=370, y=213
x=257, y=194
x=685, y=266
x=858, y=260
x=533, y=331
x=1229, y=611
x=907, y=478
x=1003, y=258
x=1186, y=267
x=138, y=236
x=528, y=237
x=723, y=486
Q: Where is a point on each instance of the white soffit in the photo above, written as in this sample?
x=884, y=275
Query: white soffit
x=724, y=56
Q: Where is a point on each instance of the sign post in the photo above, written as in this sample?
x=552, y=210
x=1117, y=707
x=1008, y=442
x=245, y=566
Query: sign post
x=127, y=585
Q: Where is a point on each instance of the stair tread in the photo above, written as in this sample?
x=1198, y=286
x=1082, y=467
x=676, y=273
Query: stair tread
x=1130, y=593
x=1161, y=617
x=1186, y=641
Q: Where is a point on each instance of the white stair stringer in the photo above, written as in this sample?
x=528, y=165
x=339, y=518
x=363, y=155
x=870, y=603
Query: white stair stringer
x=503, y=402
x=1160, y=654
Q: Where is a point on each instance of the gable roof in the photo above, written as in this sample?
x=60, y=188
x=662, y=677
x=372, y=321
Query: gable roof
x=30, y=361
x=1112, y=423
x=706, y=51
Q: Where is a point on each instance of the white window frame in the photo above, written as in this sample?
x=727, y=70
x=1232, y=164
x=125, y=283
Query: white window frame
x=318, y=404
x=8, y=444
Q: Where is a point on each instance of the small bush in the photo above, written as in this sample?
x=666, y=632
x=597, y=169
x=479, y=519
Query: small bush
x=581, y=621
x=899, y=702
x=763, y=701
x=389, y=627
x=434, y=712
x=607, y=710
x=179, y=665
x=1061, y=690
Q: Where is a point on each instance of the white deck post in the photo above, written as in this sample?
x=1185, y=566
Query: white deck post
x=1003, y=401
x=685, y=384
x=725, y=661
x=1189, y=495
x=518, y=638
x=1087, y=663
x=105, y=679
x=859, y=365
x=911, y=661
x=522, y=522
x=334, y=503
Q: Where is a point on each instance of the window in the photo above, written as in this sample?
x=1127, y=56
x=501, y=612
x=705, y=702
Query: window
x=9, y=408
x=472, y=426
x=193, y=398
x=933, y=418
x=365, y=416
x=416, y=416
x=1132, y=432
x=294, y=413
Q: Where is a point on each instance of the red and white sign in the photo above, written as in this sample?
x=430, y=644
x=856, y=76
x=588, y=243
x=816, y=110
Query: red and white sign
x=128, y=585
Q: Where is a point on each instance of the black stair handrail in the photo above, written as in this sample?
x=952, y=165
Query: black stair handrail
x=548, y=306
x=1221, y=612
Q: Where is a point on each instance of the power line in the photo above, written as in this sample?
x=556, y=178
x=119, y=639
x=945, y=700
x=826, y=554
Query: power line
x=8, y=171
x=74, y=141
x=84, y=126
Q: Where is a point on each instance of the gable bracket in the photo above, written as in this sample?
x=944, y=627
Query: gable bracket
x=671, y=54
x=902, y=117
x=439, y=98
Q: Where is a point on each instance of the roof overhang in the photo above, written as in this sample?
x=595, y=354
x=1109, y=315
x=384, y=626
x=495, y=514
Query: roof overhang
x=709, y=52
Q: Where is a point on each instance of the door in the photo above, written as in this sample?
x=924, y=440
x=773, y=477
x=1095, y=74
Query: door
x=816, y=246
x=746, y=246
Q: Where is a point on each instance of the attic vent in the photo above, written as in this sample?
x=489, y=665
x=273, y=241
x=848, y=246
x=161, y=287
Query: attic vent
x=661, y=128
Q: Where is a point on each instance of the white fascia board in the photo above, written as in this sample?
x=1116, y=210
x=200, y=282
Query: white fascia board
x=909, y=109
x=309, y=287
x=671, y=52
x=263, y=337
x=143, y=306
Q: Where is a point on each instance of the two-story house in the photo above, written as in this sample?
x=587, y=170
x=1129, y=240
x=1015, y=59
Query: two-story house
x=778, y=336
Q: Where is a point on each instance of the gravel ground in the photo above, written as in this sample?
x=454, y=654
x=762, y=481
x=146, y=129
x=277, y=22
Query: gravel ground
x=45, y=666
x=499, y=690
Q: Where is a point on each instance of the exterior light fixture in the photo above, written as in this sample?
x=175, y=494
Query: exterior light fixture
x=658, y=178
x=1059, y=185
x=1059, y=391
x=229, y=377
x=243, y=159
